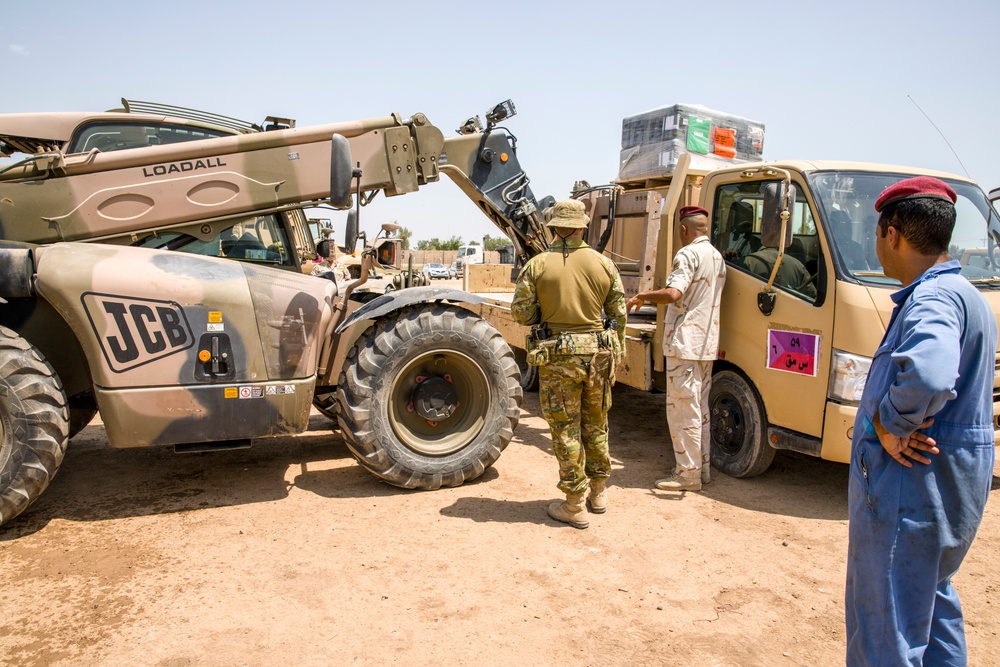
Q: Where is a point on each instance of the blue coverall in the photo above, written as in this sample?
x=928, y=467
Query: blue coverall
x=910, y=528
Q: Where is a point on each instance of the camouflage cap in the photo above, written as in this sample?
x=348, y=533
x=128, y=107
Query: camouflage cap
x=568, y=213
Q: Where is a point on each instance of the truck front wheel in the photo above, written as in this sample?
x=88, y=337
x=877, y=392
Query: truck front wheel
x=429, y=397
x=739, y=427
x=34, y=424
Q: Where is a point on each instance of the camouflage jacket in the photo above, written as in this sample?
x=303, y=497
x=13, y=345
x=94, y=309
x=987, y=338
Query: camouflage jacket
x=567, y=288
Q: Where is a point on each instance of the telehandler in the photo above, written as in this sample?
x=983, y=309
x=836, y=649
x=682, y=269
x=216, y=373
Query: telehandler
x=120, y=294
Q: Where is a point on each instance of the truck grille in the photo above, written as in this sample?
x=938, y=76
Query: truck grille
x=996, y=380
x=996, y=391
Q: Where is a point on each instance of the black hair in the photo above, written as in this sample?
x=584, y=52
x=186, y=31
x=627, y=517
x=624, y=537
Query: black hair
x=925, y=223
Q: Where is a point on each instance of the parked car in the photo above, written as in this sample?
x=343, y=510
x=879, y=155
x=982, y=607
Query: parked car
x=435, y=270
x=453, y=270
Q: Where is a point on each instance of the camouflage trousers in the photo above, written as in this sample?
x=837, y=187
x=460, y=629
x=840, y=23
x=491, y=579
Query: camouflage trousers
x=575, y=402
x=689, y=383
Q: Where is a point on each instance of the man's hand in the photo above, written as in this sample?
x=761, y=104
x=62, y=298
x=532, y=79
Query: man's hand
x=910, y=446
x=635, y=303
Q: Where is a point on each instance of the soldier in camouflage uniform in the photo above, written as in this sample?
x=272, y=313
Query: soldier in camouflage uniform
x=563, y=292
x=690, y=345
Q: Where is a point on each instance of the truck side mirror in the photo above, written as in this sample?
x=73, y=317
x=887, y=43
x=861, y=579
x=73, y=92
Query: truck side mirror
x=341, y=171
x=351, y=231
x=770, y=222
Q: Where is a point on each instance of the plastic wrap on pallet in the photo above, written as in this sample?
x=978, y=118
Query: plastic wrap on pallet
x=653, y=140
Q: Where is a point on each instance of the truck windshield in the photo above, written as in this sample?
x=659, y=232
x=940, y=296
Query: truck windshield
x=847, y=203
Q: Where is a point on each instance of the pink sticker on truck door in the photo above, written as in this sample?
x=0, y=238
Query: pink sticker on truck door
x=792, y=351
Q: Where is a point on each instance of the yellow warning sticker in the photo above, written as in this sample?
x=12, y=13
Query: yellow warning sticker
x=232, y=392
x=214, y=316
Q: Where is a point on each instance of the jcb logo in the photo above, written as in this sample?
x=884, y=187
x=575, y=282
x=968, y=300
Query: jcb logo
x=134, y=331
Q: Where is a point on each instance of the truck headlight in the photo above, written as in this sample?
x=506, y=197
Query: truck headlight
x=848, y=374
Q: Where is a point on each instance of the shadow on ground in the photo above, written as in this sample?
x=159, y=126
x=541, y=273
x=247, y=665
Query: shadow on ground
x=97, y=482
x=794, y=485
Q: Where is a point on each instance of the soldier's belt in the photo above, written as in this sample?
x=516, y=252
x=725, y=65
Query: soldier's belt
x=574, y=343
x=567, y=344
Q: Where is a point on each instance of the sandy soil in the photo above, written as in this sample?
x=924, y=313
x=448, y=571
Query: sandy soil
x=289, y=553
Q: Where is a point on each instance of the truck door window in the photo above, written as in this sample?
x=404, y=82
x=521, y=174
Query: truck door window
x=256, y=239
x=751, y=246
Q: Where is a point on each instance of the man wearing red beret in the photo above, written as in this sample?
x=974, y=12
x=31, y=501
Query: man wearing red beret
x=690, y=345
x=929, y=392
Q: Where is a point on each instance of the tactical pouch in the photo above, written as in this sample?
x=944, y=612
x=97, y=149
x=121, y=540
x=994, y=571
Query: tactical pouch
x=609, y=341
x=538, y=357
x=537, y=350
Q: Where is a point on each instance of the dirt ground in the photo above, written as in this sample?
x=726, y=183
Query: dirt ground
x=289, y=553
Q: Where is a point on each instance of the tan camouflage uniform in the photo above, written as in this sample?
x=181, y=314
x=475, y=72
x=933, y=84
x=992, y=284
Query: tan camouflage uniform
x=792, y=273
x=690, y=345
x=566, y=288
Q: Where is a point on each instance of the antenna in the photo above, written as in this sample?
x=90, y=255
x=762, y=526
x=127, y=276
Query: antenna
x=942, y=136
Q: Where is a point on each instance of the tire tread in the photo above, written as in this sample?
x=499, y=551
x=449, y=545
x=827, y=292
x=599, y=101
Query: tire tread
x=373, y=443
x=36, y=424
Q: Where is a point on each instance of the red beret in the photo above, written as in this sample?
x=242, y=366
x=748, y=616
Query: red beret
x=921, y=187
x=688, y=211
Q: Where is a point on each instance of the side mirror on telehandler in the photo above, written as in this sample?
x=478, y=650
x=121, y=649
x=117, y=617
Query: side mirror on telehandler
x=351, y=231
x=341, y=171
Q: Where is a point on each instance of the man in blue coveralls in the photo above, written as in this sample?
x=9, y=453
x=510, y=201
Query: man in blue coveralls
x=929, y=392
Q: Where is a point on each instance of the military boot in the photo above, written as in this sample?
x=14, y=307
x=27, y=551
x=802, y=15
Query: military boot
x=598, y=497
x=678, y=482
x=570, y=511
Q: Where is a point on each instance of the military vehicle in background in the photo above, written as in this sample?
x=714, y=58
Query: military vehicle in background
x=793, y=358
x=120, y=294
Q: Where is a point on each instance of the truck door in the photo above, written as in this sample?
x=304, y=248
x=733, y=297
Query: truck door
x=784, y=355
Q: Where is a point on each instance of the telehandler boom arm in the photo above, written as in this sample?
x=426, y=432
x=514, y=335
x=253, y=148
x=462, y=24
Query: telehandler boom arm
x=96, y=195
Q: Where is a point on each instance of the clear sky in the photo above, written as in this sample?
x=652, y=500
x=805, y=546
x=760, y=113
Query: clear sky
x=830, y=80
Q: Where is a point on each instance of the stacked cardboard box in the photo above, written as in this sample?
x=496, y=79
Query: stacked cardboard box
x=653, y=141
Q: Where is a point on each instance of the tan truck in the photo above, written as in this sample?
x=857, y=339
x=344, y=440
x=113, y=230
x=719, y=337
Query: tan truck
x=152, y=323
x=793, y=358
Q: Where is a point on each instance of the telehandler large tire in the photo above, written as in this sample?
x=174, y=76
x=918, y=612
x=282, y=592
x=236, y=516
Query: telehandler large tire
x=429, y=397
x=739, y=427
x=34, y=424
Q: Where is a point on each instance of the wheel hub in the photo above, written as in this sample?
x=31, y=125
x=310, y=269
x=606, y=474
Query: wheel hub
x=435, y=398
x=727, y=425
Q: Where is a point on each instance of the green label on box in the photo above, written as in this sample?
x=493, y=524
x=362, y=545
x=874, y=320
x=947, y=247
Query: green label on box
x=697, y=135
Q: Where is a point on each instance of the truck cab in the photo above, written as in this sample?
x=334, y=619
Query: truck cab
x=794, y=355
x=468, y=254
